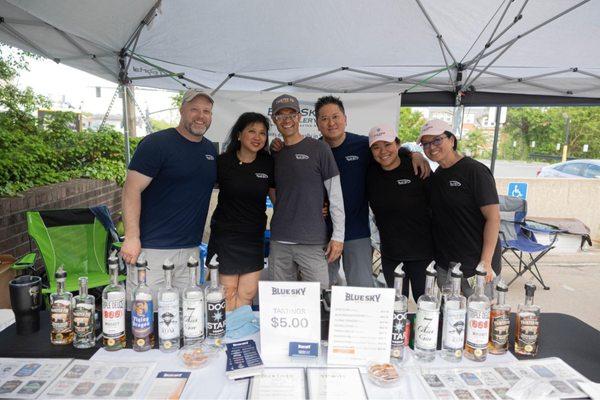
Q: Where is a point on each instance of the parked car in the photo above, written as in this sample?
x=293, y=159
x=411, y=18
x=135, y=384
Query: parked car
x=572, y=169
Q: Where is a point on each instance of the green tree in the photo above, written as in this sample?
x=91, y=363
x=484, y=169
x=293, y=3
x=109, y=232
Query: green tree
x=410, y=124
x=159, y=124
x=473, y=143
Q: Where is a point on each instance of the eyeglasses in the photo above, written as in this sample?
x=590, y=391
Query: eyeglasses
x=334, y=118
x=284, y=117
x=435, y=142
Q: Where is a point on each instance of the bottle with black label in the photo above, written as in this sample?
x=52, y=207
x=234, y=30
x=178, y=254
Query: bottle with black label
x=400, y=315
x=478, y=319
x=142, y=311
x=427, y=319
x=499, y=321
x=527, y=332
x=168, y=312
x=193, y=307
x=453, y=332
x=83, y=317
x=61, y=311
x=215, y=304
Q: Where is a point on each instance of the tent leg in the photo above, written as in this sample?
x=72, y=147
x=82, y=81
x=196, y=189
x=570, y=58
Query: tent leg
x=125, y=125
x=496, y=134
x=457, y=117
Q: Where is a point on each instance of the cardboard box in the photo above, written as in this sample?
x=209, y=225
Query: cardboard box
x=6, y=275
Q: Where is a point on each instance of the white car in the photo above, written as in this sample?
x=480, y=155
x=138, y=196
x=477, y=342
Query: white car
x=572, y=169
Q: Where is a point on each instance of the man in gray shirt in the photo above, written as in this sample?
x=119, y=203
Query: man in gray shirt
x=305, y=171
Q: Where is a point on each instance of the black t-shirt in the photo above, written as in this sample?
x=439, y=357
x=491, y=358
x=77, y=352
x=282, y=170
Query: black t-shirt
x=243, y=190
x=457, y=193
x=399, y=200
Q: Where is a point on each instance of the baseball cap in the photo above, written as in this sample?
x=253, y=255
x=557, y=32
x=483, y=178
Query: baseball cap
x=191, y=94
x=434, y=127
x=284, y=101
x=382, y=132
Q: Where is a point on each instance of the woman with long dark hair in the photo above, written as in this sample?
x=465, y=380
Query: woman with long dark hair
x=244, y=175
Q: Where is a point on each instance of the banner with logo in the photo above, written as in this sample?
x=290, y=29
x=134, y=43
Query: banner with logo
x=363, y=111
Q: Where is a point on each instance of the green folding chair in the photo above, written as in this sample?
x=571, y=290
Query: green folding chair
x=73, y=238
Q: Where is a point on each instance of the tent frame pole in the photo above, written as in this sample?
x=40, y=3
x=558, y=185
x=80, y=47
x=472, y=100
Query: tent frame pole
x=437, y=32
x=495, y=144
x=74, y=43
x=294, y=83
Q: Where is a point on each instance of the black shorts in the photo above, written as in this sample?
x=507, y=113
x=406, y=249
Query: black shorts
x=237, y=252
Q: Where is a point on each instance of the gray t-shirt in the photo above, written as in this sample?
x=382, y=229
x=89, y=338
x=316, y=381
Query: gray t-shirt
x=300, y=171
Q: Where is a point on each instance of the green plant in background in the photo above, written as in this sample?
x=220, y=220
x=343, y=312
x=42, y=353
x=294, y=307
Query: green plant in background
x=409, y=125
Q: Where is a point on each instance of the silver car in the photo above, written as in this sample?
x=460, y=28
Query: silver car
x=572, y=169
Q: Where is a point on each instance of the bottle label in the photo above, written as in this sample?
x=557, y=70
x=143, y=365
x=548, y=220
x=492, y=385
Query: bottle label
x=60, y=316
x=398, y=329
x=113, y=315
x=500, y=327
x=454, y=329
x=142, y=318
x=168, y=319
x=426, y=329
x=478, y=328
x=193, y=318
x=529, y=330
x=215, y=318
x=83, y=319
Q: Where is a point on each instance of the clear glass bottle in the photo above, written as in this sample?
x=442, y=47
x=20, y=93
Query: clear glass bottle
x=168, y=312
x=215, y=304
x=142, y=311
x=400, y=316
x=193, y=307
x=427, y=319
x=527, y=332
x=84, y=321
x=113, y=310
x=61, y=311
x=478, y=319
x=499, y=321
x=453, y=331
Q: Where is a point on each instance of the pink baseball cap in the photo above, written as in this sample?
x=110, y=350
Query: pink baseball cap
x=382, y=132
x=434, y=127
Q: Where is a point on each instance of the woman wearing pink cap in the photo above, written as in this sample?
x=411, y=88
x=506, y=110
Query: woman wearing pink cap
x=464, y=204
x=400, y=203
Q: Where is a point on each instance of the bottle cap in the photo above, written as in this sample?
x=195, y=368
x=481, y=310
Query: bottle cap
x=192, y=262
x=456, y=272
x=60, y=273
x=480, y=270
x=213, y=263
x=141, y=261
x=501, y=286
x=530, y=289
x=168, y=265
x=430, y=271
x=398, y=272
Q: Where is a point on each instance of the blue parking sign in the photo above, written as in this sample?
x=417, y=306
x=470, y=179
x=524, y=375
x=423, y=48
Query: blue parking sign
x=517, y=189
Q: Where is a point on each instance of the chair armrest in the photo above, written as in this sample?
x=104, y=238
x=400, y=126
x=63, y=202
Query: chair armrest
x=537, y=227
x=27, y=261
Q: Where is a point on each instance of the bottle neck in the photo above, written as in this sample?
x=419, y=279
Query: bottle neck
x=528, y=300
x=168, y=278
x=114, y=275
x=83, y=288
x=192, y=276
x=429, y=280
x=60, y=286
x=141, y=276
x=480, y=287
x=398, y=282
x=455, y=286
x=500, y=297
x=214, y=277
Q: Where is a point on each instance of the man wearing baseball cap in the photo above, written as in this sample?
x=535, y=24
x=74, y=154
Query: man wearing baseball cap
x=304, y=171
x=167, y=192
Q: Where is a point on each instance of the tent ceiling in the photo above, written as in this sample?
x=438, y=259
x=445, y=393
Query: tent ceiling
x=543, y=48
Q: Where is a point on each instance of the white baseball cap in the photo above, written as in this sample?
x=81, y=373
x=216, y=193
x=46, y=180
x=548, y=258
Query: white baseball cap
x=382, y=132
x=434, y=127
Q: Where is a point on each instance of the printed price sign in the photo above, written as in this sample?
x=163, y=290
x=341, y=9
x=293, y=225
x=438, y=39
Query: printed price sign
x=360, y=325
x=289, y=312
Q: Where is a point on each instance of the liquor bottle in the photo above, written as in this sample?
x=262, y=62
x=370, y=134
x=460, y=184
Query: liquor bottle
x=193, y=307
x=61, y=311
x=215, y=304
x=478, y=319
x=400, y=315
x=113, y=310
x=168, y=312
x=453, y=331
x=84, y=317
x=499, y=321
x=527, y=333
x=428, y=315
x=142, y=311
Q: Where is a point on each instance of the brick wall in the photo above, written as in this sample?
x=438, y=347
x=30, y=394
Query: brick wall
x=77, y=193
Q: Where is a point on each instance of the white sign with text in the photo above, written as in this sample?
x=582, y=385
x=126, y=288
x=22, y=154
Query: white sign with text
x=289, y=312
x=360, y=325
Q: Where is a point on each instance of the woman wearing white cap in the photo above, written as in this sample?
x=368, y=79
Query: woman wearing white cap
x=464, y=204
x=400, y=203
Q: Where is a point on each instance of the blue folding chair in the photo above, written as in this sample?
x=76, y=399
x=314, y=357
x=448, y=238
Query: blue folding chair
x=518, y=237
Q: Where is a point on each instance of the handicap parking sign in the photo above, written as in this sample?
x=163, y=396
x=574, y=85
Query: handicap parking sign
x=517, y=189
